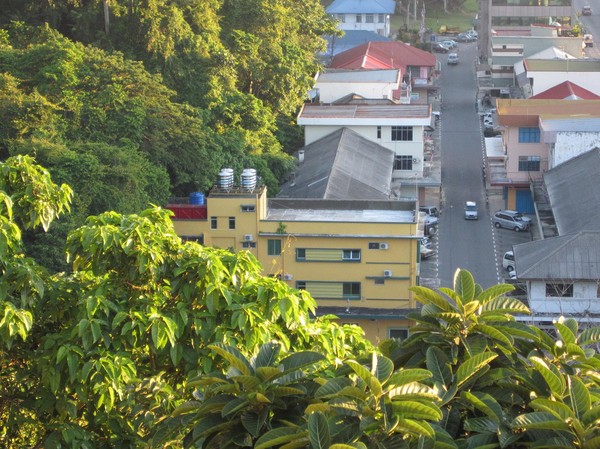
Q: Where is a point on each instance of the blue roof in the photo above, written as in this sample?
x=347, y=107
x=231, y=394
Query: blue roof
x=362, y=7
x=351, y=39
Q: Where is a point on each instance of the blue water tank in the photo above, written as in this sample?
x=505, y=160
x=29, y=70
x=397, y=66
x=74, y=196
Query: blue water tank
x=197, y=198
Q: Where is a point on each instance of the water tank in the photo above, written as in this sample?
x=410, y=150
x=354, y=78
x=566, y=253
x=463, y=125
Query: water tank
x=196, y=198
x=226, y=178
x=249, y=179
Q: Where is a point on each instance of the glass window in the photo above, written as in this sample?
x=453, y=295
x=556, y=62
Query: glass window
x=351, y=290
x=402, y=133
x=403, y=163
x=273, y=247
x=398, y=333
x=369, y=18
x=381, y=18
x=529, y=163
x=248, y=244
x=359, y=18
x=556, y=290
x=247, y=207
x=300, y=254
x=301, y=285
x=342, y=18
x=231, y=222
x=351, y=254
x=213, y=223
x=529, y=135
x=379, y=132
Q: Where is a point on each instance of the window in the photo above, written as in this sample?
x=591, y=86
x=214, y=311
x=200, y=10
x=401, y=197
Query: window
x=559, y=290
x=192, y=238
x=351, y=290
x=213, y=222
x=402, y=133
x=301, y=285
x=398, y=333
x=529, y=163
x=342, y=18
x=231, y=222
x=379, y=281
x=359, y=18
x=369, y=18
x=248, y=208
x=248, y=244
x=381, y=18
x=300, y=254
x=351, y=254
x=529, y=135
x=273, y=247
x=379, y=132
x=403, y=163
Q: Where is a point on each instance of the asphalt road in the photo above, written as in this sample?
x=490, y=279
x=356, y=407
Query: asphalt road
x=463, y=244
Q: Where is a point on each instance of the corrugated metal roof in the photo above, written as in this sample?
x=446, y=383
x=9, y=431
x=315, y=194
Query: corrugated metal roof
x=342, y=165
x=550, y=124
x=351, y=39
x=569, y=257
x=365, y=111
x=574, y=193
x=383, y=55
x=562, y=65
x=362, y=7
x=359, y=76
x=519, y=112
x=566, y=91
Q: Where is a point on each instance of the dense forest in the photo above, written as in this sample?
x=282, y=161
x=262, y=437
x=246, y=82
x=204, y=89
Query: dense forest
x=133, y=101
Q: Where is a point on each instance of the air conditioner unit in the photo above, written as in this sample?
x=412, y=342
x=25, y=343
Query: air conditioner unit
x=384, y=245
x=416, y=160
x=287, y=277
x=248, y=237
x=387, y=273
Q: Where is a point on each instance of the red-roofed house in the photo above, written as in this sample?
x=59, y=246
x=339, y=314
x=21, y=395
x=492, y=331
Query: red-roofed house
x=416, y=65
x=566, y=91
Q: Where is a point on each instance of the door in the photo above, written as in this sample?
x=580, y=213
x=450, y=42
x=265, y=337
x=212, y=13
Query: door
x=524, y=202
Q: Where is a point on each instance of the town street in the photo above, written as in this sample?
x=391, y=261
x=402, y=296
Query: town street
x=463, y=244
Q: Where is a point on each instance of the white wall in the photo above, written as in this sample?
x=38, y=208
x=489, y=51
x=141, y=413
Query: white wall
x=330, y=92
x=584, y=300
x=571, y=144
x=349, y=23
x=545, y=80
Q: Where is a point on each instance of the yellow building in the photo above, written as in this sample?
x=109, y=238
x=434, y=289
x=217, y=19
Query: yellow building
x=357, y=258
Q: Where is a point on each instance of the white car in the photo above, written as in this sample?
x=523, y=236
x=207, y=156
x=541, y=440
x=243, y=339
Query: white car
x=508, y=261
x=449, y=44
x=471, y=210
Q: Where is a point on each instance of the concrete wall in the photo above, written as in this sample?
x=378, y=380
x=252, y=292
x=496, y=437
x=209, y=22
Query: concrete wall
x=515, y=149
x=571, y=144
x=584, y=300
x=330, y=92
x=349, y=23
x=545, y=80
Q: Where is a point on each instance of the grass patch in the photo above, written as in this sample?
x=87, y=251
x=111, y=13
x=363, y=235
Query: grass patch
x=435, y=17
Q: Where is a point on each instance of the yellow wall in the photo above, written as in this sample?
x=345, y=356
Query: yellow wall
x=376, y=330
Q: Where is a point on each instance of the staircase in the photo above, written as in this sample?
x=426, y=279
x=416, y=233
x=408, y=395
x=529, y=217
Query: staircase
x=543, y=208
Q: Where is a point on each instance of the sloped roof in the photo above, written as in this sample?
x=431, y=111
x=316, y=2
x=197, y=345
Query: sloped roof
x=520, y=112
x=342, y=165
x=351, y=39
x=383, y=55
x=362, y=7
x=572, y=257
x=566, y=91
x=574, y=193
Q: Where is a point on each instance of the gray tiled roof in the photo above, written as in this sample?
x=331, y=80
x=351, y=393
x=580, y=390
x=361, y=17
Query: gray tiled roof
x=574, y=193
x=568, y=257
x=342, y=165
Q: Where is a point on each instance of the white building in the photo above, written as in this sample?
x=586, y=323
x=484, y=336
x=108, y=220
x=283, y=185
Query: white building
x=369, y=15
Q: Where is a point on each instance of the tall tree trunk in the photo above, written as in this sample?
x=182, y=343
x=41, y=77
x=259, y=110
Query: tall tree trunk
x=106, y=17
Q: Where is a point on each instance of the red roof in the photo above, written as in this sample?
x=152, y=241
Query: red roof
x=566, y=91
x=383, y=55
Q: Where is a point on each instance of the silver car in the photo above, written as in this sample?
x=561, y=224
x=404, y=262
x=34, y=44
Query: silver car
x=471, y=211
x=511, y=219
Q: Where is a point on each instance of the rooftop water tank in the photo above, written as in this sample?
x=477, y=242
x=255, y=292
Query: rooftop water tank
x=249, y=179
x=196, y=198
x=226, y=178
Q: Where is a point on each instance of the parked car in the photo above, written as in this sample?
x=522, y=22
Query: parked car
x=586, y=10
x=430, y=210
x=439, y=48
x=466, y=37
x=511, y=219
x=449, y=44
x=426, y=253
x=471, y=212
x=431, y=224
x=508, y=261
x=426, y=242
x=453, y=59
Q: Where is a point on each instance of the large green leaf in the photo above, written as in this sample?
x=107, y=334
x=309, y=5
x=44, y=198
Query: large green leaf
x=555, y=382
x=416, y=428
x=318, y=431
x=299, y=360
x=382, y=367
x=332, y=387
x=268, y=373
x=407, y=376
x=417, y=410
x=565, y=333
x=438, y=363
x=471, y=366
x=592, y=443
x=591, y=416
x=485, y=403
x=538, y=420
x=464, y=284
x=267, y=355
x=278, y=436
x=481, y=425
x=494, y=333
x=254, y=422
x=413, y=391
x=579, y=396
x=427, y=296
x=591, y=335
x=186, y=407
x=366, y=376
x=557, y=409
x=493, y=292
x=234, y=406
x=505, y=305
x=234, y=357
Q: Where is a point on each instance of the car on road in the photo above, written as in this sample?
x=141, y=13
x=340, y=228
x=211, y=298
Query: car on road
x=586, y=10
x=453, y=58
x=471, y=210
x=430, y=210
x=508, y=261
x=465, y=37
x=449, y=44
x=511, y=219
x=426, y=253
x=439, y=48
